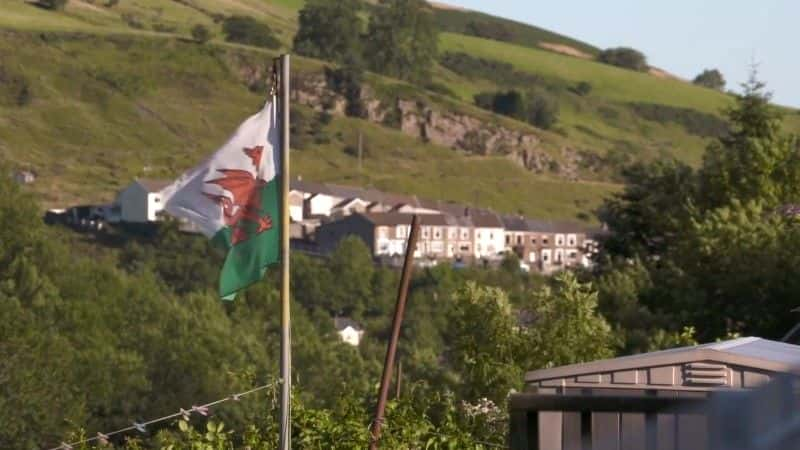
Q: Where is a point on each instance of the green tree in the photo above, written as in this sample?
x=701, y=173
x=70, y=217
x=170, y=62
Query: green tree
x=329, y=30
x=249, y=31
x=624, y=57
x=567, y=328
x=484, y=344
x=650, y=214
x=541, y=109
x=401, y=39
x=755, y=161
x=710, y=78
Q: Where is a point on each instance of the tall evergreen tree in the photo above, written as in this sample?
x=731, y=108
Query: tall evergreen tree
x=402, y=39
x=755, y=161
x=329, y=30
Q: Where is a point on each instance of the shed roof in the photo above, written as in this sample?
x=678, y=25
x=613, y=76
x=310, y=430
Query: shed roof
x=751, y=352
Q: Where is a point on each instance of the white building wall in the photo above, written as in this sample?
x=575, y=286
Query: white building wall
x=322, y=204
x=351, y=336
x=489, y=242
x=296, y=213
x=154, y=206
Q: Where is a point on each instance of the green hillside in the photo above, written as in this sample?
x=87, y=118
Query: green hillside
x=93, y=96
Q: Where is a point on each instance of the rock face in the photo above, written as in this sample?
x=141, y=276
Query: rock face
x=449, y=129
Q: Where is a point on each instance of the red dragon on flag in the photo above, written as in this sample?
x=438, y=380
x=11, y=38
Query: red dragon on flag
x=244, y=202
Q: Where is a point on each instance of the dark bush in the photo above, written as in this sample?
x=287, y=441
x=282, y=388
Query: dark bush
x=538, y=107
x=164, y=28
x=624, y=57
x=499, y=72
x=201, y=33
x=15, y=89
x=132, y=21
x=497, y=32
x=710, y=78
x=440, y=88
x=248, y=31
x=695, y=122
x=583, y=88
x=347, y=81
x=542, y=109
x=53, y=5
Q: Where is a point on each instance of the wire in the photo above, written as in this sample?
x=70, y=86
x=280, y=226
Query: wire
x=142, y=426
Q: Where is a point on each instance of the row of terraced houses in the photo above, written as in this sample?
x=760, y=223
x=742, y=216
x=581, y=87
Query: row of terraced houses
x=322, y=214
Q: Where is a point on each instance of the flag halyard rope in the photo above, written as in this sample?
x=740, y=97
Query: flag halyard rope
x=142, y=426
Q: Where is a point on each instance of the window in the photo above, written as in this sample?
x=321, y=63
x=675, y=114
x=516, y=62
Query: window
x=464, y=234
x=533, y=241
x=437, y=232
x=452, y=233
x=400, y=231
x=437, y=247
x=573, y=255
x=508, y=240
x=532, y=256
x=545, y=240
x=464, y=248
x=157, y=199
x=572, y=240
x=559, y=240
x=519, y=239
x=426, y=232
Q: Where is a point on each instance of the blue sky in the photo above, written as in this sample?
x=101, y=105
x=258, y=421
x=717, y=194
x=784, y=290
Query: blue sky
x=680, y=36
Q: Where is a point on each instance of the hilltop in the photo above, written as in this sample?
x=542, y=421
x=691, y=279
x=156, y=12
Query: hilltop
x=95, y=95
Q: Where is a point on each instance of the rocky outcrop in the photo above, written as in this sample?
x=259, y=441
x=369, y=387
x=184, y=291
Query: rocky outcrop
x=454, y=130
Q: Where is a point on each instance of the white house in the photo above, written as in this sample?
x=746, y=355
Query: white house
x=348, y=330
x=489, y=234
x=140, y=202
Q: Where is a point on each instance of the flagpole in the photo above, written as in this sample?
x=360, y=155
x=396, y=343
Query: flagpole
x=286, y=335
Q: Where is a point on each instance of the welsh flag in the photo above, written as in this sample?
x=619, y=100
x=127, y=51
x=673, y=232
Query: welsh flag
x=234, y=198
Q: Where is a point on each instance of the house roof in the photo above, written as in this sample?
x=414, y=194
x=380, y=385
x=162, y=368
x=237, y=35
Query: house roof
x=395, y=218
x=747, y=351
x=153, y=185
x=340, y=323
x=484, y=218
x=520, y=223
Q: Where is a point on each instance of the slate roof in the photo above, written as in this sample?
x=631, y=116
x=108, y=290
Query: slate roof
x=747, y=351
x=153, y=185
x=393, y=218
x=340, y=323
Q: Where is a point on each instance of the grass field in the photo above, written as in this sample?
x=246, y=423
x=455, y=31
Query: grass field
x=120, y=92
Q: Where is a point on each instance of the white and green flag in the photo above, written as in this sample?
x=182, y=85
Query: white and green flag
x=234, y=198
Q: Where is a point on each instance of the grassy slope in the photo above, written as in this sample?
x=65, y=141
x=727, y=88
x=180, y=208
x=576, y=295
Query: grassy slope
x=115, y=109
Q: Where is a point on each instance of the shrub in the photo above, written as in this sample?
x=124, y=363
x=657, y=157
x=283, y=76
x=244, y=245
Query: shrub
x=248, y=31
x=111, y=3
x=495, y=31
x=201, y=33
x=132, y=21
x=164, y=28
x=583, y=88
x=542, y=109
x=695, y=122
x=53, y=5
x=710, y=78
x=347, y=81
x=538, y=107
x=499, y=72
x=624, y=57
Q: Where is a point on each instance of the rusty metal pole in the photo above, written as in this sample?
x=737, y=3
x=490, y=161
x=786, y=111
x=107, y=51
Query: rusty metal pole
x=399, y=309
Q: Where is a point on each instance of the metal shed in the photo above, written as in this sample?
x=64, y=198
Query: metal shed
x=646, y=401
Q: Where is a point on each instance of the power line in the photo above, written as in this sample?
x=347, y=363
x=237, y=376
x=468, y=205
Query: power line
x=141, y=427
